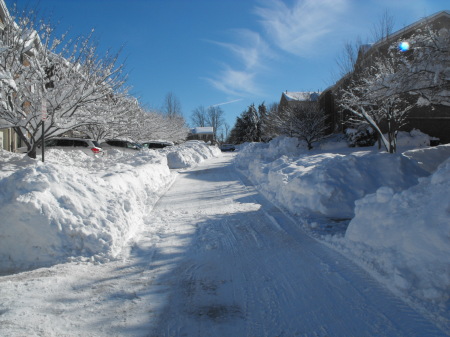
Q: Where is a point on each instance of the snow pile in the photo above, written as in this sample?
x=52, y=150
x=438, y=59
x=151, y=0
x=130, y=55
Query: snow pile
x=429, y=158
x=326, y=183
x=54, y=210
x=406, y=235
x=75, y=206
x=414, y=138
x=189, y=154
x=399, y=203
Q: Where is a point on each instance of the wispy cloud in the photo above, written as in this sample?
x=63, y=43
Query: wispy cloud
x=249, y=47
x=235, y=82
x=249, y=50
x=300, y=29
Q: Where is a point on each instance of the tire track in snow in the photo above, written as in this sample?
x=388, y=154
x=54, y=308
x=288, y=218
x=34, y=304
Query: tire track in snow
x=249, y=270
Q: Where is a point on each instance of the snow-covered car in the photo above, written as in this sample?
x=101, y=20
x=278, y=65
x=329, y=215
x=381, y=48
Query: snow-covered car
x=88, y=146
x=227, y=147
x=156, y=144
x=122, y=145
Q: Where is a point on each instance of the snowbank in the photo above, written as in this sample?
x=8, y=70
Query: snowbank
x=405, y=235
x=189, y=154
x=75, y=206
x=400, y=205
x=324, y=182
x=429, y=158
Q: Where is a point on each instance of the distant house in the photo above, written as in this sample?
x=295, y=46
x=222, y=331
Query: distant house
x=290, y=98
x=205, y=133
x=432, y=119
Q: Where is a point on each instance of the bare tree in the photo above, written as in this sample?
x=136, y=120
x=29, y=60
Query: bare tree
x=351, y=51
x=172, y=105
x=346, y=60
x=199, y=116
x=305, y=121
x=215, y=118
x=308, y=123
x=226, y=126
x=384, y=27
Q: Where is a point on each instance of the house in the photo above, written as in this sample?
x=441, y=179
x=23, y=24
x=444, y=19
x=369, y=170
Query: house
x=432, y=119
x=9, y=140
x=291, y=99
x=205, y=133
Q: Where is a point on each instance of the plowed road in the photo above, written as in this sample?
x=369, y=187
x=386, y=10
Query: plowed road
x=216, y=259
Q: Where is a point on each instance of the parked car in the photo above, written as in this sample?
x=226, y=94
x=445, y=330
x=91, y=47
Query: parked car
x=122, y=145
x=227, y=147
x=156, y=144
x=88, y=146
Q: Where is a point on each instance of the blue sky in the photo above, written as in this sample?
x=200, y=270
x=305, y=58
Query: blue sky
x=228, y=52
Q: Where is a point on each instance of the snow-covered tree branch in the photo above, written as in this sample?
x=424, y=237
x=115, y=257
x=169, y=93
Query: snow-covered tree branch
x=41, y=73
x=384, y=90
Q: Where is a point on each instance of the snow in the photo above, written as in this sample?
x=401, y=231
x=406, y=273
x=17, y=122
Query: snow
x=77, y=207
x=190, y=152
x=329, y=182
x=215, y=258
x=302, y=96
x=397, y=206
x=177, y=242
x=408, y=235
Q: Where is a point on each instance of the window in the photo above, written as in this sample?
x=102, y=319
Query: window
x=114, y=143
x=65, y=142
x=80, y=143
x=51, y=143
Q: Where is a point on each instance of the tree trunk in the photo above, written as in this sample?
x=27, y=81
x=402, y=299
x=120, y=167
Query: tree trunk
x=32, y=153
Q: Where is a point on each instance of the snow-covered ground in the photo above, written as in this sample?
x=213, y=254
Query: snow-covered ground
x=397, y=207
x=214, y=257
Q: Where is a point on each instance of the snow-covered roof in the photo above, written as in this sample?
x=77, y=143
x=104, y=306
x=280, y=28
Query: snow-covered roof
x=202, y=130
x=302, y=96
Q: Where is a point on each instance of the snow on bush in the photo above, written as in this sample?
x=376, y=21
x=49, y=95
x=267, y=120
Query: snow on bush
x=78, y=206
x=406, y=235
x=414, y=138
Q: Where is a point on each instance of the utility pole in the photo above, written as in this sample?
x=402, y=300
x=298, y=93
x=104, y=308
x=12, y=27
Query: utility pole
x=43, y=118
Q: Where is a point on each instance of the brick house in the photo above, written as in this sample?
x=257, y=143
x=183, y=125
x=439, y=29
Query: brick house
x=431, y=119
